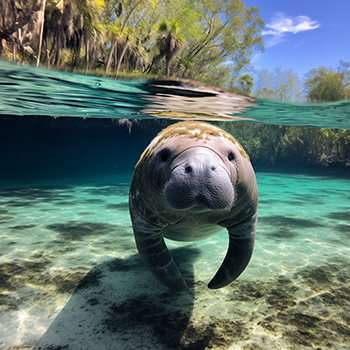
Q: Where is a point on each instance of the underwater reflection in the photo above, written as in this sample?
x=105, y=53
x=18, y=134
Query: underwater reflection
x=41, y=92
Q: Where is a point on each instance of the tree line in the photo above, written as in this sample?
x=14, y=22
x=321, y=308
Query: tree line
x=207, y=40
x=293, y=145
x=322, y=84
x=184, y=38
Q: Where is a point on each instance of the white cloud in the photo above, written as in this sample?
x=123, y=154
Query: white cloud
x=256, y=57
x=282, y=24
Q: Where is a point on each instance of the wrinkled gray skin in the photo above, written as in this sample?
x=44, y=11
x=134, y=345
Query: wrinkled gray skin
x=188, y=189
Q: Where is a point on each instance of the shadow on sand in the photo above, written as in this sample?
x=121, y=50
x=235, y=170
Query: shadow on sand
x=120, y=305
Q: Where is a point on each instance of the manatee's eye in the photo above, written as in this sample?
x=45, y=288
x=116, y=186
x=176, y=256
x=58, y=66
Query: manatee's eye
x=164, y=155
x=231, y=156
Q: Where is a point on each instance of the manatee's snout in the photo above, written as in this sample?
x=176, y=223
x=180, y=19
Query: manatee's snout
x=199, y=182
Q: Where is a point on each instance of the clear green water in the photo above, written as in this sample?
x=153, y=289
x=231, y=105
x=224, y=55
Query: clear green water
x=70, y=274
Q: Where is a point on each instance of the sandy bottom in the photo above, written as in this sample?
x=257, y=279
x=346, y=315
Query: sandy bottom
x=71, y=278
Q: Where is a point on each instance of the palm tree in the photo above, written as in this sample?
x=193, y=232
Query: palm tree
x=21, y=26
x=169, y=43
x=122, y=34
x=63, y=27
x=14, y=15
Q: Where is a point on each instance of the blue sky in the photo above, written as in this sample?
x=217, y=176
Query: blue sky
x=303, y=34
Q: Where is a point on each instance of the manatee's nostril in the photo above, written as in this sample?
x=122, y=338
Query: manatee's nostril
x=213, y=168
x=188, y=169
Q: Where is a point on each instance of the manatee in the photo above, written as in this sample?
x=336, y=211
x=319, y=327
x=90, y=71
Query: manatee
x=193, y=180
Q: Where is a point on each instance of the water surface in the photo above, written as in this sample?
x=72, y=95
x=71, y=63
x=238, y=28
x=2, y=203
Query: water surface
x=29, y=91
x=70, y=274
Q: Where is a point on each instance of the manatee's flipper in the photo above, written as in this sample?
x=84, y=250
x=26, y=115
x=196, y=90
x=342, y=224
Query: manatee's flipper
x=155, y=254
x=242, y=237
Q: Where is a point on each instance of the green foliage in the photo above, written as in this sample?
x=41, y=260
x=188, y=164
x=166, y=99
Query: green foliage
x=273, y=144
x=163, y=26
x=198, y=36
x=320, y=84
x=328, y=84
x=225, y=31
x=244, y=84
x=280, y=85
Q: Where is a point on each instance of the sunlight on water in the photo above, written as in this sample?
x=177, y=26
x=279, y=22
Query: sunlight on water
x=55, y=234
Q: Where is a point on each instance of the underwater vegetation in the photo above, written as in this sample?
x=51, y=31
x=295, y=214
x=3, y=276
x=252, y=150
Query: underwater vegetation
x=293, y=145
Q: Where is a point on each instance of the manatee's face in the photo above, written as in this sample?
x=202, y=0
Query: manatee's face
x=199, y=181
x=199, y=177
